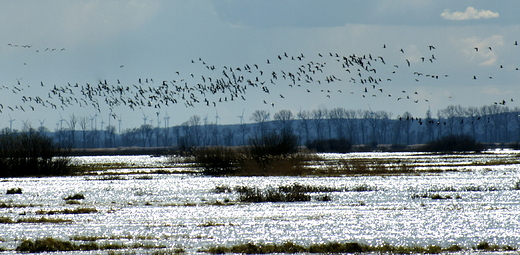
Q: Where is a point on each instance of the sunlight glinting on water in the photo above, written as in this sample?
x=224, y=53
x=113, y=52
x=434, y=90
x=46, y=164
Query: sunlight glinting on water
x=477, y=204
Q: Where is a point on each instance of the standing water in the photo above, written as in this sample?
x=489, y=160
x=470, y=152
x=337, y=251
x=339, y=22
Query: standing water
x=463, y=204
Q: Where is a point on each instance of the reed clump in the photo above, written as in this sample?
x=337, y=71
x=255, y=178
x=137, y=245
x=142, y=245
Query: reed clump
x=77, y=196
x=7, y=220
x=349, y=247
x=255, y=195
x=81, y=210
x=5, y=205
x=435, y=196
x=48, y=244
x=364, y=166
x=286, y=193
x=13, y=191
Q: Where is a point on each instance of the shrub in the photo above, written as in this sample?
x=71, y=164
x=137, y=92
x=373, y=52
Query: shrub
x=14, y=191
x=274, y=144
x=31, y=154
x=69, y=211
x=453, y=143
x=517, y=185
x=296, y=187
x=218, y=160
x=256, y=195
x=77, y=196
x=331, y=145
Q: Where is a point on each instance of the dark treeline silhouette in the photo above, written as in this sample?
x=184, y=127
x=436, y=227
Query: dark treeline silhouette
x=486, y=124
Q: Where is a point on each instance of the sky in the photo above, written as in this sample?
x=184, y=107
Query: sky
x=47, y=45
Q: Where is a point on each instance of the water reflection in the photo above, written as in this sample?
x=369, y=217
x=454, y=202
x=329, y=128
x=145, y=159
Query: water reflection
x=180, y=210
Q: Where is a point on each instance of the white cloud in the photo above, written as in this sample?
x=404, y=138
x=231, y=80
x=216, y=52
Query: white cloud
x=470, y=13
x=483, y=56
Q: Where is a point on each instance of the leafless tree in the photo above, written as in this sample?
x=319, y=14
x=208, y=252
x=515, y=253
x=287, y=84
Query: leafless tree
x=284, y=119
x=261, y=117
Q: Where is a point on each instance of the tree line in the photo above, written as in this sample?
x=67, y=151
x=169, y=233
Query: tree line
x=486, y=124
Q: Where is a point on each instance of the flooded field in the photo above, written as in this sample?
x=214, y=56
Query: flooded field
x=475, y=198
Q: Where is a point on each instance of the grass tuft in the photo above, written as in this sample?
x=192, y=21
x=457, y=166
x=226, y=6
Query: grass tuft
x=76, y=196
x=14, y=191
x=7, y=220
x=69, y=211
x=255, y=195
x=517, y=185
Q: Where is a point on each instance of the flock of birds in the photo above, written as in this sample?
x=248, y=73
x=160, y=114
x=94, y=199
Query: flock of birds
x=367, y=76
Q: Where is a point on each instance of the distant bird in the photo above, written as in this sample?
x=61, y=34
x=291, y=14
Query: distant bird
x=431, y=47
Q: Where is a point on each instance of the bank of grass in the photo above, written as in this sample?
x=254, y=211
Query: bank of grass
x=5, y=205
x=77, y=196
x=7, y=220
x=50, y=244
x=112, y=237
x=349, y=247
x=364, y=166
x=80, y=210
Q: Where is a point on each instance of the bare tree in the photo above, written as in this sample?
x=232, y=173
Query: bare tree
x=284, y=119
x=473, y=115
x=228, y=136
x=319, y=116
x=304, y=116
x=244, y=130
x=193, y=130
x=350, y=116
x=83, y=124
x=73, y=120
x=261, y=117
x=407, y=120
x=111, y=134
x=337, y=119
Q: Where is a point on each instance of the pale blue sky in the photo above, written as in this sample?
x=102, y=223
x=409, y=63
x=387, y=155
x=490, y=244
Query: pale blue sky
x=155, y=39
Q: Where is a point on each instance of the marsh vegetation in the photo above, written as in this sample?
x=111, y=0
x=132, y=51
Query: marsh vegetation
x=31, y=154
